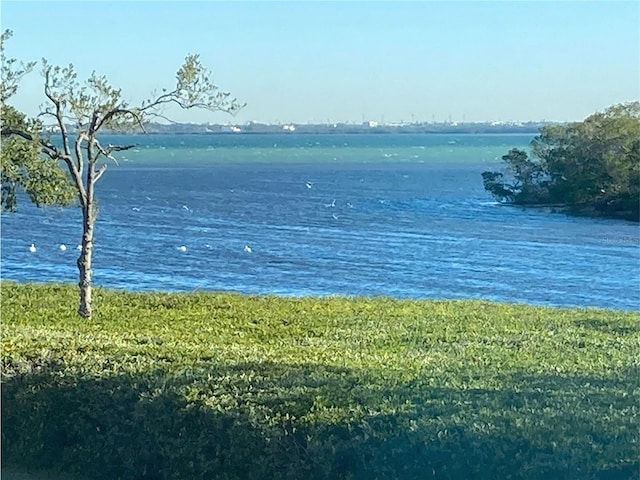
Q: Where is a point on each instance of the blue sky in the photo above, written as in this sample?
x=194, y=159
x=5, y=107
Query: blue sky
x=300, y=61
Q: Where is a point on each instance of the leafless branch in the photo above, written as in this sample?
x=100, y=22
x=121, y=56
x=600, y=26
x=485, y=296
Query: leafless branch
x=78, y=147
x=8, y=131
x=46, y=112
x=111, y=148
x=94, y=120
x=120, y=148
x=50, y=150
x=99, y=173
x=117, y=112
x=172, y=98
x=59, y=112
x=49, y=154
x=158, y=115
x=164, y=98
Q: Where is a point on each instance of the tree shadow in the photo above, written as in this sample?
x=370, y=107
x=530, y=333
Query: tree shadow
x=607, y=326
x=269, y=420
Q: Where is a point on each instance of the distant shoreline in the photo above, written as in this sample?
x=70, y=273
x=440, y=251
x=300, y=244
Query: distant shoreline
x=339, y=129
x=379, y=132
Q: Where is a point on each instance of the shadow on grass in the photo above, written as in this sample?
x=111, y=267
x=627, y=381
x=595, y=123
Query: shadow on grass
x=265, y=420
x=608, y=327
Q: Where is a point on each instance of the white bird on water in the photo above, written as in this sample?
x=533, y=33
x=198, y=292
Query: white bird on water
x=63, y=247
x=247, y=249
x=182, y=248
x=309, y=184
x=332, y=204
x=79, y=247
x=32, y=248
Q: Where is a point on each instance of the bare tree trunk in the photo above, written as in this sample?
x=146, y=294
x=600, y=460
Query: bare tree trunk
x=84, y=261
x=88, y=221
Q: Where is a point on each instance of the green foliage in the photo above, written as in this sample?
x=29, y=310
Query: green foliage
x=224, y=386
x=10, y=71
x=591, y=166
x=24, y=167
x=529, y=183
x=22, y=164
x=80, y=101
x=195, y=88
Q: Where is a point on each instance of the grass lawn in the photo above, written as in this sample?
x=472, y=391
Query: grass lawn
x=226, y=386
x=22, y=474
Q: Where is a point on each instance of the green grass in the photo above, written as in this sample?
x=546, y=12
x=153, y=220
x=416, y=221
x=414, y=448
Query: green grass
x=216, y=385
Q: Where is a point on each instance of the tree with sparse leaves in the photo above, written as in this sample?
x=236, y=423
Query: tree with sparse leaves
x=82, y=111
x=22, y=165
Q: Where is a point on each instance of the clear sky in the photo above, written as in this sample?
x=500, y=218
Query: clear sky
x=302, y=61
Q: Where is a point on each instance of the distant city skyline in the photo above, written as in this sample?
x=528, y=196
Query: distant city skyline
x=347, y=62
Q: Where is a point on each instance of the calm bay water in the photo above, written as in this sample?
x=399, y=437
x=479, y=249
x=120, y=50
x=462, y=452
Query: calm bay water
x=395, y=215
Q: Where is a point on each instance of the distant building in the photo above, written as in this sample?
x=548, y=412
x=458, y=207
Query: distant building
x=230, y=128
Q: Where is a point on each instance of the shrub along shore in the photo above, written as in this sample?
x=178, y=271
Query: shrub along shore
x=228, y=386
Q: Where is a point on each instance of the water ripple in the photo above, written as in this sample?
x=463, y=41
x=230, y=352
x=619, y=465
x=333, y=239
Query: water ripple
x=397, y=225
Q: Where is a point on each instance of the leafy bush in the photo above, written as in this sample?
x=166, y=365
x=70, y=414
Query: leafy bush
x=224, y=386
x=591, y=166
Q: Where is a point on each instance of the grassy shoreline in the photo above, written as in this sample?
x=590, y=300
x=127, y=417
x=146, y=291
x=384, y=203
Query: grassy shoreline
x=218, y=385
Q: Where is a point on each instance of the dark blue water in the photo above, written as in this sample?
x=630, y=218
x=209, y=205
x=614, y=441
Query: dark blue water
x=395, y=215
